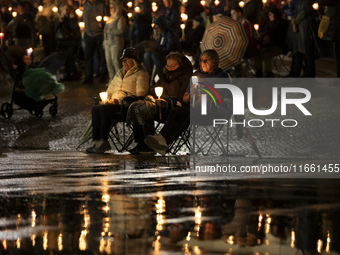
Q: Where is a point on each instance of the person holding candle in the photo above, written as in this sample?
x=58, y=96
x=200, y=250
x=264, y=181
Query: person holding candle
x=174, y=83
x=68, y=36
x=46, y=21
x=94, y=38
x=141, y=30
x=131, y=80
x=194, y=36
x=113, y=38
x=24, y=27
x=273, y=42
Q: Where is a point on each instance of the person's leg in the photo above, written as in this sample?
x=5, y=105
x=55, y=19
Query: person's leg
x=258, y=64
x=96, y=122
x=309, y=69
x=148, y=62
x=296, y=65
x=159, y=60
x=46, y=44
x=90, y=47
x=336, y=47
x=103, y=68
x=267, y=55
x=109, y=60
x=108, y=112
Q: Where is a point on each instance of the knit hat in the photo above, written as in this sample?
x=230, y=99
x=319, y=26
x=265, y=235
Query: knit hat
x=130, y=53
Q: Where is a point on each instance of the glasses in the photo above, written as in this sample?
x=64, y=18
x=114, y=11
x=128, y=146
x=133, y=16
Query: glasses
x=205, y=60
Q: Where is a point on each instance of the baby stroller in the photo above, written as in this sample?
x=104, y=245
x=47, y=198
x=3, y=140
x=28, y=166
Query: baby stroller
x=19, y=96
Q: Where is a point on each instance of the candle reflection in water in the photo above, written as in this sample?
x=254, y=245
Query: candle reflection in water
x=33, y=239
x=292, y=237
x=196, y=250
x=34, y=216
x=231, y=240
x=18, y=243
x=84, y=232
x=45, y=240
x=268, y=221
x=198, y=216
x=319, y=246
x=4, y=244
x=160, y=208
x=60, y=242
x=328, y=243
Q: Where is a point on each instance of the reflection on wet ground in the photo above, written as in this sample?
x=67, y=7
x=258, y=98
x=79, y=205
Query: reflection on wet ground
x=73, y=203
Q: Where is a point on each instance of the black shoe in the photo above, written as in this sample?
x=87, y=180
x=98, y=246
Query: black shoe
x=141, y=148
x=87, y=81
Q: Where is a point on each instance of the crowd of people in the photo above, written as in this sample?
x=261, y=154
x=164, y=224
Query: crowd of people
x=102, y=34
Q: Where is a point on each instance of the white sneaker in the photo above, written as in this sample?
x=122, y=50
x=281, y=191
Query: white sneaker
x=157, y=143
x=102, y=146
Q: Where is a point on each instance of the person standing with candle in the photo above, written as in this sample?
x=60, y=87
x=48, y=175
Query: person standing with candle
x=94, y=38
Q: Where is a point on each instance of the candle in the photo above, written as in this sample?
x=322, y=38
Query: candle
x=241, y=4
x=129, y=4
x=203, y=3
x=103, y=96
x=99, y=18
x=185, y=1
x=40, y=37
x=184, y=16
x=105, y=18
x=55, y=9
x=40, y=8
x=154, y=4
x=137, y=9
x=183, y=27
x=14, y=14
x=79, y=13
x=256, y=27
x=316, y=6
x=217, y=2
x=2, y=35
x=129, y=15
x=29, y=51
x=159, y=92
x=81, y=25
x=154, y=8
x=9, y=9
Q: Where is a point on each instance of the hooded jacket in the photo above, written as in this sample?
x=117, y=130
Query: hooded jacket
x=175, y=82
x=134, y=82
x=115, y=26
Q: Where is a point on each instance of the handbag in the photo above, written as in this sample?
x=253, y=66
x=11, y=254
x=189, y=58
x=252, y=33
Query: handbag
x=323, y=27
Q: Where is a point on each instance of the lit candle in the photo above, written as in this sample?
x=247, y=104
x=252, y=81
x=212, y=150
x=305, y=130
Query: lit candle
x=183, y=27
x=40, y=8
x=105, y=18
x=154, y=4
x=14, y=14
x=129, y=4
x=185, y=1
x=217, y=2
x=137, y=9
x=154, y=8
x=40, y=37
x=264, y=3
x=184, y=16
x=99, y=18
x=203, y=3
x=159, y=92
x=316, y=6
x=2, y=35
x=55, y=9
x=241, y=4
x=256, y=27
x=129, y=15
x=81, y=25
x=29, y=51
x=9, y=9
x=79, y=13
x=103, y=96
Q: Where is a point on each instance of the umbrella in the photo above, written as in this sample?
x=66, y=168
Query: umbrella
x=228, y=38
x=54, y=61
x=87, y=135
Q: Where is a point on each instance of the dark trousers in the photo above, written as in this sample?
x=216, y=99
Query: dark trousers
x=102, y=116
x=91, y=43
x=337, y=57
x=70, y=48
x=155, y=58
x=308, y=68
x=49, y=44
x=177, y=122
x=141, y=131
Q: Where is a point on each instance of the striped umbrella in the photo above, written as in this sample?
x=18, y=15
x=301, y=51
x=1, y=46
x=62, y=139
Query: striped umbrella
x=228, y=38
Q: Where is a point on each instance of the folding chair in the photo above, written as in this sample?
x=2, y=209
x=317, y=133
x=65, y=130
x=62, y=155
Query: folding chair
x=182, y=141
x=121, y=143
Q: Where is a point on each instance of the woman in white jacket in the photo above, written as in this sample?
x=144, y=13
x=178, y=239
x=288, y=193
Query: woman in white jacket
x=113, y=38
x=131, y=80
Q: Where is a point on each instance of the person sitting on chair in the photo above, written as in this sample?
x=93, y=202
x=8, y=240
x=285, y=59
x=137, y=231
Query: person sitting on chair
x=131, y=80
x=179, y=118
x=143, y=113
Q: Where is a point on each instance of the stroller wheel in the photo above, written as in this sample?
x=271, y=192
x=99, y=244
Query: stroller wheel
x=7, y=110
x=38, y=113
x=53, y=110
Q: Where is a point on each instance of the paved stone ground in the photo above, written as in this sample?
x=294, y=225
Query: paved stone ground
x=315, y=138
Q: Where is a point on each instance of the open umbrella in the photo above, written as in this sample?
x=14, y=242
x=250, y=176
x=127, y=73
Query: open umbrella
x=228, y=38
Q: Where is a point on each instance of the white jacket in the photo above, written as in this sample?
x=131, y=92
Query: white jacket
x=133, y=82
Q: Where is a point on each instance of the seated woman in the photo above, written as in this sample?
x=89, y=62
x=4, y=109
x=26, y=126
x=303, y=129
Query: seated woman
x=174, y=83
x=179, y=118
x=131, y=80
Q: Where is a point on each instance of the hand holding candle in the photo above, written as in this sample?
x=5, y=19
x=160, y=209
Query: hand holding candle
x=183, y=27
x=159, y=92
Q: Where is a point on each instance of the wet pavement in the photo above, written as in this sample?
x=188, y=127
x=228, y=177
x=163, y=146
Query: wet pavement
x=55, y=199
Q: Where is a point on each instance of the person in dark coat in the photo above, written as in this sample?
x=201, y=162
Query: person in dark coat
x=305, y=47
x=273, y=42
x=174, y=83
x=142, y=29
x=24, y=26
x=68, y=36
x=194, y=36
x=251, y=11
x=333, y=31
